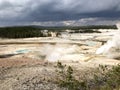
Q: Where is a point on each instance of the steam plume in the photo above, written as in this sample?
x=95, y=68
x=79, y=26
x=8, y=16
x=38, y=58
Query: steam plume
x=112, y=48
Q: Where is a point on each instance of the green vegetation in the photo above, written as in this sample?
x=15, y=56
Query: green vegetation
x=66, y=78
x=112, y=78
x=19, y=32
x=37, y=31
x=103, y=78
x=81, y=27
x=86, y=31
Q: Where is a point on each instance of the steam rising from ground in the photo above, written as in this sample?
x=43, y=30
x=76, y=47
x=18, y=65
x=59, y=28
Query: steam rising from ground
x=112, y=48
x=57, y=52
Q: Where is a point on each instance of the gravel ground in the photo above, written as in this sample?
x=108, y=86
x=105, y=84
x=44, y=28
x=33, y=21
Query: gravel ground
x=23, y=72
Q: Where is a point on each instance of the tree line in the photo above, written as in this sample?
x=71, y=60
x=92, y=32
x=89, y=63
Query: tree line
x=37, y=31
x=20, y=32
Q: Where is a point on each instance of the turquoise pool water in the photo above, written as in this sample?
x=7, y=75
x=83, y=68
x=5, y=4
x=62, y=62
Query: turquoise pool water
x=91, y=43
x=22, y=51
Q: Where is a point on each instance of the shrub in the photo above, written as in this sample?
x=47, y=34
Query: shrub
x=106, y=78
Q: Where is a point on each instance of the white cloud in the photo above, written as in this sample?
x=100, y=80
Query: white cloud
x=80, y=22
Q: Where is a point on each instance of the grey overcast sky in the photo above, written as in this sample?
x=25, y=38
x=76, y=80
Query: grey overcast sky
x=59, y=12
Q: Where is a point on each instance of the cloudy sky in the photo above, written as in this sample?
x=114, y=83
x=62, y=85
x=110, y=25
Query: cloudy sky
x=59, y=12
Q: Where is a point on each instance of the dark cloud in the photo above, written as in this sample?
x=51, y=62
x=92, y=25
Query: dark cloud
x=29, y=11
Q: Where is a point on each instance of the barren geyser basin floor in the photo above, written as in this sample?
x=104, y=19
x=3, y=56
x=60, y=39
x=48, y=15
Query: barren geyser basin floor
x=21, y=59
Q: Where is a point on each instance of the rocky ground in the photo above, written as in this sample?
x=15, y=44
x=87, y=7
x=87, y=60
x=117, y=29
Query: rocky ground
x=27, y=64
